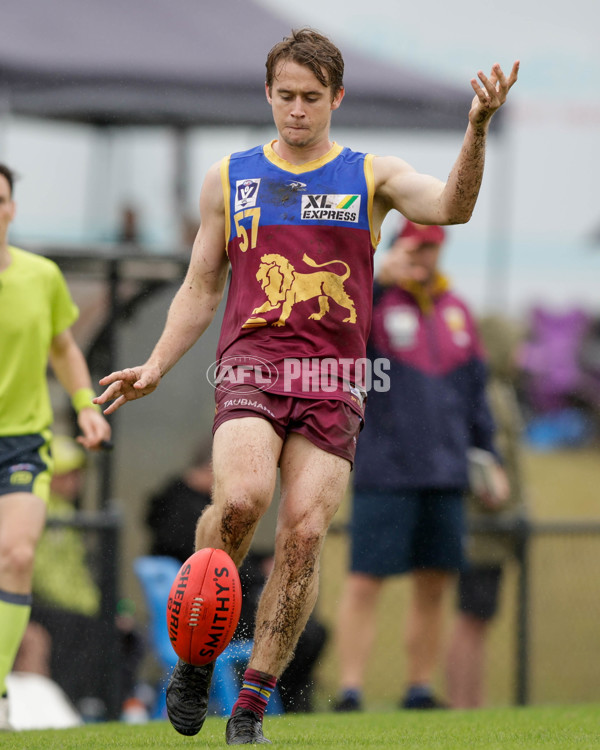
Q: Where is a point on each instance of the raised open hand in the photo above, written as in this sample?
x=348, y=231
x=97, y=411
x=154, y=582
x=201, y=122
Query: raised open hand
x=490, y=93
x=128, y=385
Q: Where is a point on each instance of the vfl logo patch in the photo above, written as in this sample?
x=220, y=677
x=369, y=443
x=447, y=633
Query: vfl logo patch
x=330, y=208
x=246, y=193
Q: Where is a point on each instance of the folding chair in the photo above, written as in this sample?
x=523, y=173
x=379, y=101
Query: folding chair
x=156, y=575
x=227, y=679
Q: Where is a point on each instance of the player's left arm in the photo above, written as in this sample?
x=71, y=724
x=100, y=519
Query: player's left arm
x=427, y=200
x=70, y=367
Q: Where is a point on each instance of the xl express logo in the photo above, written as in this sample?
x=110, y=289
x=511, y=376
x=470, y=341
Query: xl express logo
x=330, y=208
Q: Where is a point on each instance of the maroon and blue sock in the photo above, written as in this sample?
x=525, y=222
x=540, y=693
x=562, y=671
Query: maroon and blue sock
x=256, y=691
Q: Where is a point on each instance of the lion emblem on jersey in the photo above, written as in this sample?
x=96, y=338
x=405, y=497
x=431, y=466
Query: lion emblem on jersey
x=284, y=286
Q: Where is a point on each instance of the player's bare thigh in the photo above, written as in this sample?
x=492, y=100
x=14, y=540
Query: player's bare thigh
x=22, y=519
x=245, y=456
x=313, y=483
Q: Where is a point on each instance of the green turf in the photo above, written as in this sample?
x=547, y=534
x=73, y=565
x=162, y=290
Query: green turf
x=559, y=727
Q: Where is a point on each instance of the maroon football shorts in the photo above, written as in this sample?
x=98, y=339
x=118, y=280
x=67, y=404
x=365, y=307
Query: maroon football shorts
x=330, y=424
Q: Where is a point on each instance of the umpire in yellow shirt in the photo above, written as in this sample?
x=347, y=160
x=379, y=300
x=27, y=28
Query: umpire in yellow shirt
x=36, y=313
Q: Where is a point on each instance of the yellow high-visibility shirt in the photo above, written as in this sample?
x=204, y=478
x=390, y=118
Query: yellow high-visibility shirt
x=35, y=306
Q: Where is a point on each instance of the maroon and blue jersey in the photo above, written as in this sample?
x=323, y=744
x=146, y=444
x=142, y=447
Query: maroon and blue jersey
x=417, y=433
x=300, y=243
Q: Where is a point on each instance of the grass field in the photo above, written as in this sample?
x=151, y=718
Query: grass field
x=560, y=727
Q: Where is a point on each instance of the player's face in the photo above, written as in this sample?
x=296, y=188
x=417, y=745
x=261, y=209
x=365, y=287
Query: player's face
x=302, y=106
x=7, y=208
x=418, y=262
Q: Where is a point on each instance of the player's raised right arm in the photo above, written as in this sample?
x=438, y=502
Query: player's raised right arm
x=192, y=308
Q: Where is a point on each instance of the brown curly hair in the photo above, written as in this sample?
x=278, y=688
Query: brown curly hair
x=310, y=48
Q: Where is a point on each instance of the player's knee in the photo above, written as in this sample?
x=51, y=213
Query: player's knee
x=301, y=547
x=310, y=539
x=240, y=516
x=17, y=558
x=363, y=589
x=310, y=530
x=249, y=496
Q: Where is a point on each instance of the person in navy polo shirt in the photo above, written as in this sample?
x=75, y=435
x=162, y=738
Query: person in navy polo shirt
x=411, y=463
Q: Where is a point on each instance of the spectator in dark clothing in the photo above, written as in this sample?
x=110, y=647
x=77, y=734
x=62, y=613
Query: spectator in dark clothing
x=411, y=463
x=174, y=510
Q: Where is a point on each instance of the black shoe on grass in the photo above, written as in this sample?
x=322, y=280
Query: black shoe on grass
x=187, y=696
x=423, y=702
x=245, y=728
x=347, y=703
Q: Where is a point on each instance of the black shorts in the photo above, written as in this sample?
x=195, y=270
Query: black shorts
x=26, y=464
x=395, y=532
x=478, y=589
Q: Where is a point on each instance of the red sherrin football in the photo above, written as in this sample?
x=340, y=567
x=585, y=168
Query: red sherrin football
x=204, y=606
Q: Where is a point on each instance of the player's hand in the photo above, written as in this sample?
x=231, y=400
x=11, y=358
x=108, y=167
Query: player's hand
x=128, y=385
x=499, y=492
x=490, y=93
x=95, y=429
